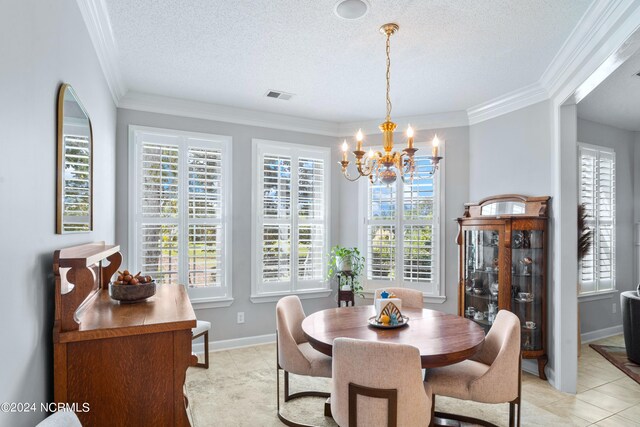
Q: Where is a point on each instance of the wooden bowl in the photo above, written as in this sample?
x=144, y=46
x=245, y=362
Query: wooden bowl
x=133, y=293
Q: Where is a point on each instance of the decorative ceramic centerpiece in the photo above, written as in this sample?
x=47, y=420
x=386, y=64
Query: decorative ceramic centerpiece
x=388, y=312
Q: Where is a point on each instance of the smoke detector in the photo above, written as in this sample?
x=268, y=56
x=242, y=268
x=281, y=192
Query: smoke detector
x=278, y=94
x=351, y=9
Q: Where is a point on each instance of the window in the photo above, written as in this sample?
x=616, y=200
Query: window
x=290, y=217
x=180, y=210
x=401, y=232
x=597, y=191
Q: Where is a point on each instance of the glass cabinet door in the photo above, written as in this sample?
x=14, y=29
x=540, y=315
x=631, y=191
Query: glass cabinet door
x=527, y=280
x=481, y=273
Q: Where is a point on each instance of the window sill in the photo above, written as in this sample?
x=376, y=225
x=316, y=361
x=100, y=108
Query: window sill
x=428, y=299
x=204, y=303
x=273, y=297
x=594, y=296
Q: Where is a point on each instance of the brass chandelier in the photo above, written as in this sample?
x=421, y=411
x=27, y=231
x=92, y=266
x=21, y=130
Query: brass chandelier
x=385, y=167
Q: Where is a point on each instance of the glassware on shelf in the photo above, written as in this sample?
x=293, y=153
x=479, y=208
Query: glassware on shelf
x=517, y=240
x=493, y=288
x=526, y=263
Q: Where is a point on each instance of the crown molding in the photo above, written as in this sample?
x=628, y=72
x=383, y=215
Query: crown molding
x=507, y=103
x=202, y=110
x=427, y=121
x=593, y=29
x=96, y=18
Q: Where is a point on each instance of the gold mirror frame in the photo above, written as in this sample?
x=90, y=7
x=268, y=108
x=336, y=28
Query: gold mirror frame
x=83, y=226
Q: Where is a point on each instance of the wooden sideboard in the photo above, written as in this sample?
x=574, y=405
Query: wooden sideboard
x=127, y=361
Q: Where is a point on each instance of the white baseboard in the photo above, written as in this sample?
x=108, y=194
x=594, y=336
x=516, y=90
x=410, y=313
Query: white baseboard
x=531, y=366
x=588, y=337
x=198, y=347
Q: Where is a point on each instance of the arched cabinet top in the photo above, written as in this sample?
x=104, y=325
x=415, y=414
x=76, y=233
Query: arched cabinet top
x=507, y=205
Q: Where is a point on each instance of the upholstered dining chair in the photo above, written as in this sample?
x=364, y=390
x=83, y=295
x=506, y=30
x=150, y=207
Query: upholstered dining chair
x=294, y=353
x=492, y=375
x=378, y=384
x=63, y=418
x=411, y=298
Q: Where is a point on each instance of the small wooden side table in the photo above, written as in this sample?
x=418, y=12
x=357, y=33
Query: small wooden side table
x=346, y=296
x=345, y=278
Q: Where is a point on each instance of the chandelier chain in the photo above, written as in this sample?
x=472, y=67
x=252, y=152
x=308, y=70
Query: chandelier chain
x=388, y=77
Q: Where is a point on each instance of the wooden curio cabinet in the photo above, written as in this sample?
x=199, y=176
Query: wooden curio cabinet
x=503, y=265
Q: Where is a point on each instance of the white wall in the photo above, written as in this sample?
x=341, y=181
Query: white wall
x=636, y=180
x=598, y=314
x=511, y=154
x=456, y=169
x=259, y=317
x=636, y=207
x=42, y=44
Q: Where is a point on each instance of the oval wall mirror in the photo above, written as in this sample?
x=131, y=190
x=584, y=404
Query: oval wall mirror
x=75, y=165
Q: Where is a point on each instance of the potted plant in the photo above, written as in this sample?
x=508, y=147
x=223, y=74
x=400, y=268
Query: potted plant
x=350, y=263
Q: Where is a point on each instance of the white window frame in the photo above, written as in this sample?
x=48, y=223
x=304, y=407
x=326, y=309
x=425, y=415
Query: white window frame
x=433, y=291
x=207, y=297
x=273, y=291
x=598, y=293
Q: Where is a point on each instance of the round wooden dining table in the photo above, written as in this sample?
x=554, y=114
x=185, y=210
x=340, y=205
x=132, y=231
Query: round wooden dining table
x=443, y=339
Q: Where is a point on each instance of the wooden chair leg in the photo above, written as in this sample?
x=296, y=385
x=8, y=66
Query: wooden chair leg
x=512, y=414
x=206, y=350
x=433, y=411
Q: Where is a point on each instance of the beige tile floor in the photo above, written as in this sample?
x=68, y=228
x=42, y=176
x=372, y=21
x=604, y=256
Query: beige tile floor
x=239, y=390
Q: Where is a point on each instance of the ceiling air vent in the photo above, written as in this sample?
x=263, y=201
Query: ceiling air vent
x=279, y=95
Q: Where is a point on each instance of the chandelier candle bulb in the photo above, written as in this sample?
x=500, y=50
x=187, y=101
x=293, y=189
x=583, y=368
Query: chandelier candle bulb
x=434, y=150
x=345, y=147
x=410, y=136
x=359, y=138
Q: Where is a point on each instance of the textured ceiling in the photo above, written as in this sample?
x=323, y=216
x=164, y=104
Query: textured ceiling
x=616, y=101
x=447, y=56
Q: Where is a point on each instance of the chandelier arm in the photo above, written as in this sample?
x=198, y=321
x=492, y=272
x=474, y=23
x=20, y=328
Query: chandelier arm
x=374, y=177
x=366, y=168
x=344, y=164
x=407, y=169
x=349, y=177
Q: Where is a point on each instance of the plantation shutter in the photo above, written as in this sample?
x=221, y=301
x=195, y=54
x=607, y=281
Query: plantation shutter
x=311, y=217
x=408, y=207
x=381, y=231
x=597, y=193
x=276, y=226
x=205, y=207
x=180, y=210
x=290, y=231
x=418, y=204
x=159, y=187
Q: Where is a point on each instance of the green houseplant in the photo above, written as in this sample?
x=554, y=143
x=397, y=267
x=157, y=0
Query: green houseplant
x=346, y=260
